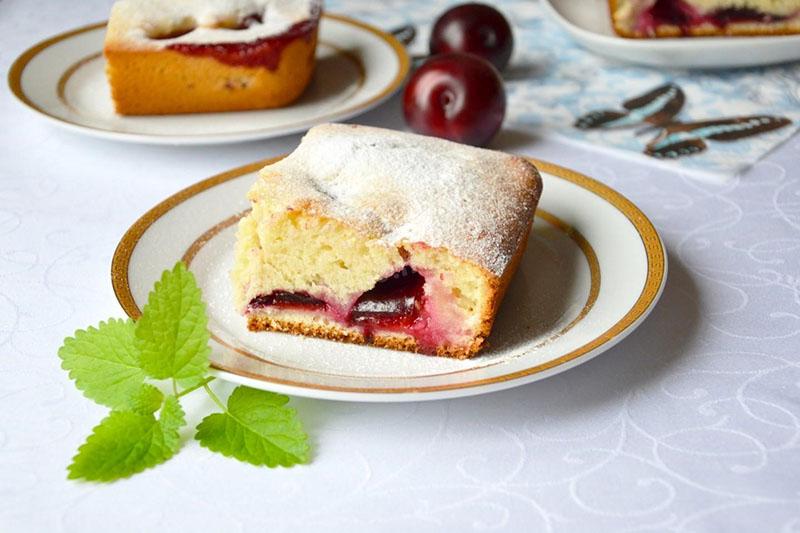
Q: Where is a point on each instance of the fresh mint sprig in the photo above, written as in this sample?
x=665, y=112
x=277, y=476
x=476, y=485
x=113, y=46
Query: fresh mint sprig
x=116, y=363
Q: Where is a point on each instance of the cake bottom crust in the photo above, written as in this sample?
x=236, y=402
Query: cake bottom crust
x=392, y=341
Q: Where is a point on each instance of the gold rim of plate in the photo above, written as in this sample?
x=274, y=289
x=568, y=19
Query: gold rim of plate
x=654, y=250
x=18, y=68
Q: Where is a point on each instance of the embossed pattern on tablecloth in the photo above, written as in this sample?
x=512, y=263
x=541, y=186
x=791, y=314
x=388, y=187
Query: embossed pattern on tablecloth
x=690, y=424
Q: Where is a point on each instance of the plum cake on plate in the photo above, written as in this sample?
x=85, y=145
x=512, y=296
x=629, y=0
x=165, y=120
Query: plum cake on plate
x=678, y=18
x=399, y=240
x=194, y=56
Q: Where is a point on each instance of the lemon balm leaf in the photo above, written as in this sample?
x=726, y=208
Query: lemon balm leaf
x=171, y=420
x=111, y=363
x=171, y=335
x=257, y=428
x=127, y=442
x=147, y=400
x=104, y=362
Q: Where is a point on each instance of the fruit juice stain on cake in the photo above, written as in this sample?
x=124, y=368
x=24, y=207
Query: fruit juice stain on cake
x=265, y=52
x=394, y=304
x=397, y=304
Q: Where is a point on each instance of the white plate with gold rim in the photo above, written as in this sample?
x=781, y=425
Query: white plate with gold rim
x=63, y=79
x=594, y=268
x=589, y=23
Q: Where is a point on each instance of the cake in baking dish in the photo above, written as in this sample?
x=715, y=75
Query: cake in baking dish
x=376, y=236
x=677, y=18
x=190, y=56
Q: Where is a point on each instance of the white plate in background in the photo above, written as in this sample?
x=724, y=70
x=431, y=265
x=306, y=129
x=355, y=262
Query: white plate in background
x=589, y=23
x=63, y=79
x=593, y=270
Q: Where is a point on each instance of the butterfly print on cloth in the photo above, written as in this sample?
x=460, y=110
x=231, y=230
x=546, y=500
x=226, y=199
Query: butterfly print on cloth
x=657, y=109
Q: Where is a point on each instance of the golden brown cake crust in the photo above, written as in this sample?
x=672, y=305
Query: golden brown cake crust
x=157, y=82
x=263, y=322
x=405, y=343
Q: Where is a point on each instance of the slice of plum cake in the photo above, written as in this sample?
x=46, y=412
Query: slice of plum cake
x=376, y=236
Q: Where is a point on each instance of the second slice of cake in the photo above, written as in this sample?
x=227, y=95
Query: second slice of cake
x=376, y=236
x=201, y=56
x=687, y=18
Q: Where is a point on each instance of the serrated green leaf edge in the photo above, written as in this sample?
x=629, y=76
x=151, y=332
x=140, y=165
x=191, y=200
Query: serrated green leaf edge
x=104, y=363
x=127, y=442
x=172, y=419
x=234, y=433
x=147, y=400
x=172, y=335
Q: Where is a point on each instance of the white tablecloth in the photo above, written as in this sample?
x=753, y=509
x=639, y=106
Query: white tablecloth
x=690, y=424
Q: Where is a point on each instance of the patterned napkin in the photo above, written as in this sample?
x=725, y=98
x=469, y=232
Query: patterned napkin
x=707, y=123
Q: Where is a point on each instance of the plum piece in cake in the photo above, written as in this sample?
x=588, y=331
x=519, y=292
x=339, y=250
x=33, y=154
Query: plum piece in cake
x=194, y=56
x=376, y=236
x=678, y=18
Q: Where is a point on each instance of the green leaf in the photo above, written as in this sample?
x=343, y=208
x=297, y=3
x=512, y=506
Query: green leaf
x=126, y=442
x=147, y=400
x=104, y=362
x=171, y=420
x=171, y=335
x=257, y=428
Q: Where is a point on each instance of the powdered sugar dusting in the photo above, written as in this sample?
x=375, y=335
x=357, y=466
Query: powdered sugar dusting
x=144, y=18
x=400, y=187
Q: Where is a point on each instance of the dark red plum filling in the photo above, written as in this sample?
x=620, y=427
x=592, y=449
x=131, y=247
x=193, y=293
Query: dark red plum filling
x=672, y=12
x=723, y=17
x=287, y=300
x=265, y=52
x=681, y=14
x=394, y=302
